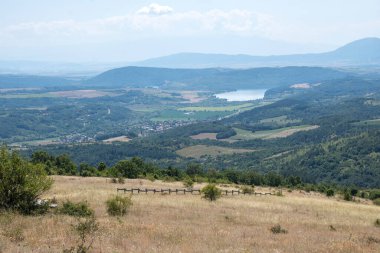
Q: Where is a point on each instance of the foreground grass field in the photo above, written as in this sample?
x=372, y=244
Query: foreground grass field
x=177, y=223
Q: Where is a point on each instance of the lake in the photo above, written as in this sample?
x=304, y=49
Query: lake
x=242, y=95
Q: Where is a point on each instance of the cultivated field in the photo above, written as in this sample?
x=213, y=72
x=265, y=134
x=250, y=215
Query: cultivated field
x=122, y=138
x=177, y=223
x=269, y=134
x=197, y=151
x=204, y=136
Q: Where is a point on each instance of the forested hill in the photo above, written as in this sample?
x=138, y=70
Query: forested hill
x=350, y=161
x=214, y=79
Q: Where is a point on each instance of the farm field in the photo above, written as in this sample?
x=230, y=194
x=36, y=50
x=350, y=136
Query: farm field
x=204, y=136
x=217, y=108
x=269, y=134
x=177, y=223
x=197, y=151
x=373, y=122
x=122, y=138
x=280, y=120
x=167, y=115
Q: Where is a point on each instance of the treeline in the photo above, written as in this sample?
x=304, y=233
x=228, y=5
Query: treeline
x=138, y=168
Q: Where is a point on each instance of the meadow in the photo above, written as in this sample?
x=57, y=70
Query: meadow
x=197, y=151
x=242, y=134
x=177, y=223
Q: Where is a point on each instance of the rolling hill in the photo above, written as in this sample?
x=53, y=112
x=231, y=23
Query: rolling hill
x=357, y=53
x=213, y=78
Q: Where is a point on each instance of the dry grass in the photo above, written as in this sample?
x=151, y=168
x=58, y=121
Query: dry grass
x=122, y=138
x=204, y=136
x=162, y=223
x=197, y=151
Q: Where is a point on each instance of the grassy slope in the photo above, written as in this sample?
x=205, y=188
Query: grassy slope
x=268, y=134
x=197, y=151
x=163, y=223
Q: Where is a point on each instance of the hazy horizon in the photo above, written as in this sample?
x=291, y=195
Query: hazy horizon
x=128, y=31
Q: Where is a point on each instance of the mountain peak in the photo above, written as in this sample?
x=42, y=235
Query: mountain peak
x=363, y=49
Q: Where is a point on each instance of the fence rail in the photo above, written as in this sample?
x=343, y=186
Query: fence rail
x=184, y=191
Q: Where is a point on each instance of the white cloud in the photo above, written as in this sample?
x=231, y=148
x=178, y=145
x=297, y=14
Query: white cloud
x=142, y=23
x=158, y=21
x=155, y=9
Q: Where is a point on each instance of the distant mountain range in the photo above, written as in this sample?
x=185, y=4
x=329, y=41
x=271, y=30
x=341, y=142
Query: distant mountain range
x=358, y=53
x=214, y=79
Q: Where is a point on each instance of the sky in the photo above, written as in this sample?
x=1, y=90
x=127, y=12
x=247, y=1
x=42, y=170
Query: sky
x=133, y=30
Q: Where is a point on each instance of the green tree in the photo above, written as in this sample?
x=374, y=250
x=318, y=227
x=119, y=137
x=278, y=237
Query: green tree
x=211, y=192
x=127, y=169
x=65, y=166
x=102, y=166
x=21, y=182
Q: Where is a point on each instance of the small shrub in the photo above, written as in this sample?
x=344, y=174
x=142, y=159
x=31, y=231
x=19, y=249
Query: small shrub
x=371, y=239
x=277, y=229
x=118, y=205
x=347, y=196
x=114, y=180
x=374, y=194
x=376, y=201
x=279, y=193
x=330, y=193
x=80, y=209
x=121, y=180
x=188, y=183
x=248, y=190
x=86, y=229
x=354, y=191
x=211, y=192
x=377, y=223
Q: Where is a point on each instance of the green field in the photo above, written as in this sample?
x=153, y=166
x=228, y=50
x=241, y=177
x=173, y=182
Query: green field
x=199, y=151
x=217, y=108
x=269, y=134
x=167, y=115
x=280, y=120
x=373, y=122
x=26, y=95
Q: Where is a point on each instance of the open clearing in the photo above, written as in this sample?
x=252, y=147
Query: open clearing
x=122, y=138
x=197, y=151
x=373, y=122
x=269, y=134
x=217, y=108
x=66, y=94
x=177, y=223
x=204, y=136
x=280, y=120
x=81, y=93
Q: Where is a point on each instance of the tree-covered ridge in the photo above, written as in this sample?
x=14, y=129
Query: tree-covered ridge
x=349, y=161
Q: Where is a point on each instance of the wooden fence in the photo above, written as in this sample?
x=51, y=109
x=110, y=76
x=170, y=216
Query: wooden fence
x=184, y=191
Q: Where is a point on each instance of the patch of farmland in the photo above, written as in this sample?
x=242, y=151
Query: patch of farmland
x=198, y=151
x=122, y=138
x=270, y=134
x=204, y=136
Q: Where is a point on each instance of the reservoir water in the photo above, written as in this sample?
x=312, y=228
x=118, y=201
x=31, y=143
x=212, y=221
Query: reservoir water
x=242, y=95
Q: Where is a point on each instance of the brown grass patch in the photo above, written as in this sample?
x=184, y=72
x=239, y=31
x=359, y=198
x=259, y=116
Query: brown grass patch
x=81, y=93
x=117, y=139
x=177, y=223
x=203, y=136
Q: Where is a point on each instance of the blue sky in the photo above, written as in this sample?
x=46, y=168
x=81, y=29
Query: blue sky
x=130, y=30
